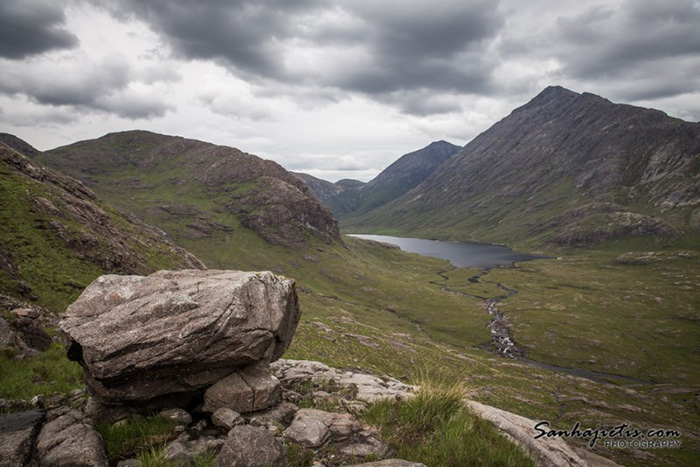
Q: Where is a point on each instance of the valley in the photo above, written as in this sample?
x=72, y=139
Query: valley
x=603, y=327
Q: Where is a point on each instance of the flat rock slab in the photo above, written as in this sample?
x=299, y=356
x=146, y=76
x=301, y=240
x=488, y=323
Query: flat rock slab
x=177, y=331
x=369, y=387
x=545, y=451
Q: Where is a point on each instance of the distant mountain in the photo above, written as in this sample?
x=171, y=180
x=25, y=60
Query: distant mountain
x=349, y=183
x=195, y=190
x=349, y=198
x=56, y=236
x=567, y=169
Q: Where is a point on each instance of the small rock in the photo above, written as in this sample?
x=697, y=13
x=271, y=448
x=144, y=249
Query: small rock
x=370, y=446
x=30, y=313
x=249, y=446
x=180, y=416
x=309, y=428
x=226, y=418
x=282, y=413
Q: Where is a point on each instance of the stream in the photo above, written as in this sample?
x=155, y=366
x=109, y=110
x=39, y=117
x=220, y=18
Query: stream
x=485, y=257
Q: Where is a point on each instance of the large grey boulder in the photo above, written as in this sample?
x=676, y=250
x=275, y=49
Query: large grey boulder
x=177, y=331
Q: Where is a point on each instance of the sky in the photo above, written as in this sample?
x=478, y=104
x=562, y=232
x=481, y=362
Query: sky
x=336, y=89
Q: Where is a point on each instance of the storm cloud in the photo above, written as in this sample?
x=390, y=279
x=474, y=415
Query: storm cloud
x=30, y=27
x=361, y=46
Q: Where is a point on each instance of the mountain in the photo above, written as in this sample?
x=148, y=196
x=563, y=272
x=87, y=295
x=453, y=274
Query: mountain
x=349, y=198
x=564, y=169
x=195, y=190
x=56, y=236
x=349, y=183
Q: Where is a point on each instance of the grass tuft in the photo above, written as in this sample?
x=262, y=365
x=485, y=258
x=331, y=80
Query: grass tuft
x=136, y=436
x=436, y=429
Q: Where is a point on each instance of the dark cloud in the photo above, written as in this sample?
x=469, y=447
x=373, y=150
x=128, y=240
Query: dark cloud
x=602, y=43
x=30, y=27
x=103, y=87
x=401, y=45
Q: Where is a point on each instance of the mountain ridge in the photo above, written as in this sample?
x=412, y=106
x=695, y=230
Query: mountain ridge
x=349, y=198
x=169, y=170
x=568, y=168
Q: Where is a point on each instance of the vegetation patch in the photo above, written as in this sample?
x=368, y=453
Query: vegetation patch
x=137, y=436
x=436, y=429
x=47, y=373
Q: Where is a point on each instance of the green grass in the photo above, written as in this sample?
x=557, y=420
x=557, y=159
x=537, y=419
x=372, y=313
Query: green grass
x=136, y=436
x=436, y=429
x=47, y=373
x=154, y=456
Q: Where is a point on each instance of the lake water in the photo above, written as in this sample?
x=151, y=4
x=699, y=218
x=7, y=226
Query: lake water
x=460, y=254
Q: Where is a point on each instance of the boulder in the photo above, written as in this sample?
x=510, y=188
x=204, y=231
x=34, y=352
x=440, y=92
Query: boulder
x=185, y=449
x=177, y=331
x=71, y=439
x=17, y=433
x=249, y=446
x=312, y=427
x=249, y=389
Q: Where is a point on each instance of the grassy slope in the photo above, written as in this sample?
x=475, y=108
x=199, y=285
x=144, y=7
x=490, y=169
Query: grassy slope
x=55, y=273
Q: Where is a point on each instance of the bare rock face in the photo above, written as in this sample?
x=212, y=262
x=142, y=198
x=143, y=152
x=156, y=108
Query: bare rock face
x=177, y=331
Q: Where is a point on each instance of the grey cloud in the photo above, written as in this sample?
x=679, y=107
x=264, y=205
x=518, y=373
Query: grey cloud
x=30, y=27
x=406, y=45
x=133, y=106
x=59, y=84
x=102, y=87
x=606, y=43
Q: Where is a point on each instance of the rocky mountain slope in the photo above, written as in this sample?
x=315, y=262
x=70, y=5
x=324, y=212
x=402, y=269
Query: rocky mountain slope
x=56, y=236
x=187, y=187
x=565, y=168
x=349, y=198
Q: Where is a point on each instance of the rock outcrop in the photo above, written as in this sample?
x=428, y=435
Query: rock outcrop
x=174, y=332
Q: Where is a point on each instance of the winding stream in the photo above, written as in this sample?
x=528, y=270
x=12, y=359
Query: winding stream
x=486, y=257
